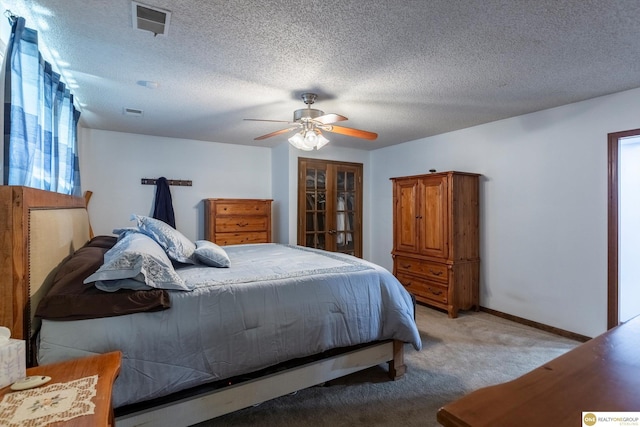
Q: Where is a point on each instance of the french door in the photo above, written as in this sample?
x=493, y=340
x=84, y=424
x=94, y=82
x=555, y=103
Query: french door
x=330, y=205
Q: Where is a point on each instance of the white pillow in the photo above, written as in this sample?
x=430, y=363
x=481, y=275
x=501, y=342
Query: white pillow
x=211, y=254
x=136, y=256
x=175, y=244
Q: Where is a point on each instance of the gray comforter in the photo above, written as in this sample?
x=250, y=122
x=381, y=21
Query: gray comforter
x=275, y=303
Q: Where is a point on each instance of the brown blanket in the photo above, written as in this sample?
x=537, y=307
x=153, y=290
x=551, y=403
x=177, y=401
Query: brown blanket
x=70, y=299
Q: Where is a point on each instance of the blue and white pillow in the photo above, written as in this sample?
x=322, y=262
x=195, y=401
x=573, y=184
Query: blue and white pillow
x=211, y=254
x=137, y=262
x=177, y=246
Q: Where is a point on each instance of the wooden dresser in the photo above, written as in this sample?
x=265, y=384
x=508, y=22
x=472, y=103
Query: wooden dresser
x=237, y=221
x=436, y=238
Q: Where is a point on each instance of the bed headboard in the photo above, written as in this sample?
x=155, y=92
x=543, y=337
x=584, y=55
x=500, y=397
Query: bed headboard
x=38, y=230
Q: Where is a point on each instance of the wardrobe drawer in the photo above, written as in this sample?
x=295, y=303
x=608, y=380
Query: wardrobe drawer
x=425, y=289
x=241, y=224
x=224, y=239
x=430, y=270
x=227, y=208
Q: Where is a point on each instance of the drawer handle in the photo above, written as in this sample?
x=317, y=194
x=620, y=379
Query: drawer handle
x=405, y=265
x=242, y=224
x=436, y=292
x=435, y=273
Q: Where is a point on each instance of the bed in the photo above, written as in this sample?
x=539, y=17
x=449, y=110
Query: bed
x=258, y=371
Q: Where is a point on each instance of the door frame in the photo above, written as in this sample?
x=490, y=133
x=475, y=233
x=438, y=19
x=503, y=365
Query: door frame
x=613, y=228
x=330, y=165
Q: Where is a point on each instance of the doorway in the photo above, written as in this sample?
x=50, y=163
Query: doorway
x=330, y=205
x=624, y=226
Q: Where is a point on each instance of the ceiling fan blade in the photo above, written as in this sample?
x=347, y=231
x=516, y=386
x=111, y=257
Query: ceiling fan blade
x=357, y=133
x=278, y=132
x=266, y=120
x=330, y=118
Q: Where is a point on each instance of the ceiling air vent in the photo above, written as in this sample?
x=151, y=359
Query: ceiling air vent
x=132, y=112
x=152, y=19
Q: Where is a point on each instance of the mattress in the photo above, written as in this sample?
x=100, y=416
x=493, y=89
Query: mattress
x=275, y=303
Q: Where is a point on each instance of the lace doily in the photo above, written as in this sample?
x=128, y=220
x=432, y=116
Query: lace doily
x=53, y=403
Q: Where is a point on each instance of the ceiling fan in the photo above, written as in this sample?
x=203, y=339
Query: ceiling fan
x=310, y=122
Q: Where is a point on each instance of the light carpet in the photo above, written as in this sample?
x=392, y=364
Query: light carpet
x=459, y=355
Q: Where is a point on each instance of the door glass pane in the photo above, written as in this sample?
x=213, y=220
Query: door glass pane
x=351, y=181
x=344, y=221
x=310, y=200
x=322, y=200
x=320, y=222
x=315, y=206
x=310, y=221
x=311, y=178
x=321, y=177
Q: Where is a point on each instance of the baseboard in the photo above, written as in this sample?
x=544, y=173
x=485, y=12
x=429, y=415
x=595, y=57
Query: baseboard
x=541, y=326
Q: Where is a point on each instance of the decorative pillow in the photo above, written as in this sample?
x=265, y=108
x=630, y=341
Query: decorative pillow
x=137, y=256
x=135, y=284
x=175, y=244
x=211, y=254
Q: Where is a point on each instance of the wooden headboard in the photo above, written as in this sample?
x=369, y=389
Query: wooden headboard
x=38, y=230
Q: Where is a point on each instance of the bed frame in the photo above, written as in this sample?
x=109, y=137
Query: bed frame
x=40, y=229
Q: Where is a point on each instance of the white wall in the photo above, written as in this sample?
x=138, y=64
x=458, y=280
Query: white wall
x=280, y=189
x=543, y=206
x=112, y=165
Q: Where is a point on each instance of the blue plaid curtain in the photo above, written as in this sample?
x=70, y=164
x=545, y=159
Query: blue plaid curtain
x=40, y=121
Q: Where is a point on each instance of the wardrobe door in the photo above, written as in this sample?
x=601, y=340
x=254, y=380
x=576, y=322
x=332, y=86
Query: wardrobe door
x=330, y=206
x=434, y=223
x=406, y=216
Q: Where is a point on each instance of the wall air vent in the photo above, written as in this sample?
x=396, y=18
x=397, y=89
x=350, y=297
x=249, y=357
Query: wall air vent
x=152, y=19
x=132, y=112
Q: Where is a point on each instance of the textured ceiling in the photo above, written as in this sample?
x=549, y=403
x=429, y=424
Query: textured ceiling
x=405, y=69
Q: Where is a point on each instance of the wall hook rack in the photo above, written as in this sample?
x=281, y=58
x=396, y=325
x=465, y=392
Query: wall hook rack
x=178, y=182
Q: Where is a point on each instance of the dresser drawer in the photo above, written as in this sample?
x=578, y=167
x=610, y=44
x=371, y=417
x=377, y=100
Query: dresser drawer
x=433, y=291
x=224, y=239
x=226, y=208
x=241, y=223
x=427, y=269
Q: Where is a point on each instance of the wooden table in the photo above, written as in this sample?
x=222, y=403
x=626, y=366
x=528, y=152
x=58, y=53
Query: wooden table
x=106, y=366
x=602, y=374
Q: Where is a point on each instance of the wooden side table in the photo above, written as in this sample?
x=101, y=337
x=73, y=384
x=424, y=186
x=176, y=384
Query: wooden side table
x=106, y=366
x=602, y=374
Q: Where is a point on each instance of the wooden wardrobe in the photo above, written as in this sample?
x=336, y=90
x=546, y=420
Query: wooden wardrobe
x=436, y=238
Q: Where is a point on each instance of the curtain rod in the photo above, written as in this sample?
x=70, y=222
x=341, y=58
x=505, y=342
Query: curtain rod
x=178, y=182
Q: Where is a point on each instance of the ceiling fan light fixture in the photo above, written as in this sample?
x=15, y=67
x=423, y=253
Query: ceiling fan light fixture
x=322, y=141
x=310, y=139
x=297, y=141
x=311, y=122
x=307, y=140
